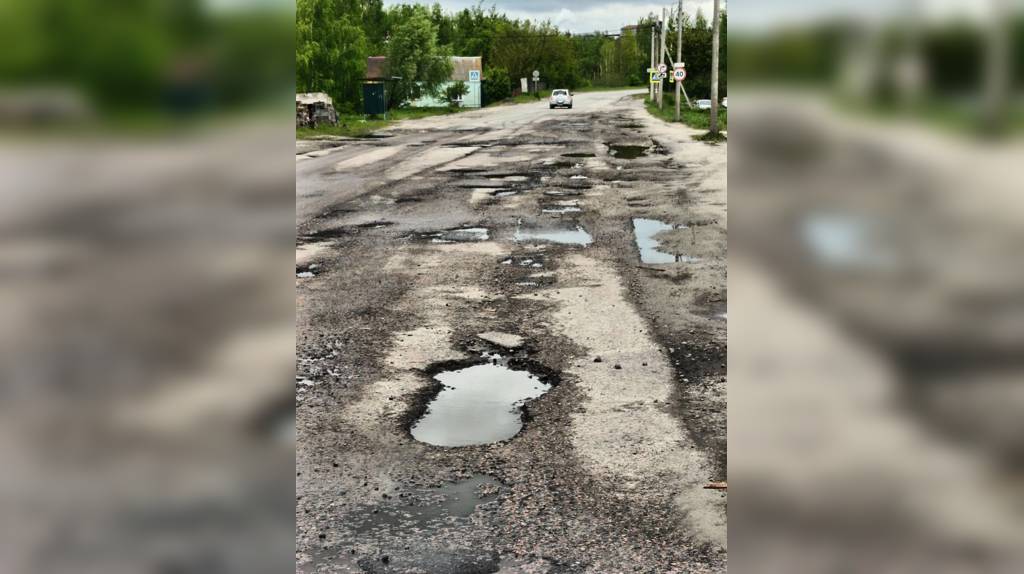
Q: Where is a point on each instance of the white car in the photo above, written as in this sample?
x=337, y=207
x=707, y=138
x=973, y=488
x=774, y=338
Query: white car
x=560, y=99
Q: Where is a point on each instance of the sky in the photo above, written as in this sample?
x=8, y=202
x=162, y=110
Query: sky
x=575, y=15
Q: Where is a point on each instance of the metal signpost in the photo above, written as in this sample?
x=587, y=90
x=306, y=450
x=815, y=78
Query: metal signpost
x=536, y=80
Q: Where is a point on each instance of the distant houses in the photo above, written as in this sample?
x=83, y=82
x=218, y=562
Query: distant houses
x=468, y=69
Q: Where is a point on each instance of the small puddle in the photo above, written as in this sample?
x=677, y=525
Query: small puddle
x=644, y=230
x=452, y=501
x=579, y=154
x=480, y=404
x=846, y=240
x=504, y=192
x=560, y=210
x=627, y=151
x=576, y=236
x=461, y=235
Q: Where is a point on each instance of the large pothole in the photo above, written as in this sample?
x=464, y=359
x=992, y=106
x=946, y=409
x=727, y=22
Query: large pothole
x=478, y=404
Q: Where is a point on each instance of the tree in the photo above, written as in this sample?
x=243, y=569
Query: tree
x=415, y=56
x=330, y=49
x=497, y=84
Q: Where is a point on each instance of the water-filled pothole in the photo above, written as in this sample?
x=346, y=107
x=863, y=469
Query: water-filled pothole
x=478, y=404
x=569, y=236
x=560, y=207
x=627, y=151
x=579, y=154
x=644, y=230
x=428, y=507
x=460, y=235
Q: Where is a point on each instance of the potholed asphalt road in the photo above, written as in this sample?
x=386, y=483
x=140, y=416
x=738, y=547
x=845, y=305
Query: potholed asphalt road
x=508, y=235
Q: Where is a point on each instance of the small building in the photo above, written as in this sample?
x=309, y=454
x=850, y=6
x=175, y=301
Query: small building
x=468, y=69
x=375, y=101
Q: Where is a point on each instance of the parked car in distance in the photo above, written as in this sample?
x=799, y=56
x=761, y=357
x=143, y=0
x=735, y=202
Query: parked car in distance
x=725, y=102
x=560, y=99
x=703, y=104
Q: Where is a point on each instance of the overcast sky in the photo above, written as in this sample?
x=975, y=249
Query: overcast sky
x=575, y=15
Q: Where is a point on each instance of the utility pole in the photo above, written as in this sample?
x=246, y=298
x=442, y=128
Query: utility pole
x=679, y=54
x=714, y=72
x=654, y=27
x=998, y=70
x=661, y=83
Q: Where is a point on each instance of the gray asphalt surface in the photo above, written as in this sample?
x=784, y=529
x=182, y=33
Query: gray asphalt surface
x=608, y=471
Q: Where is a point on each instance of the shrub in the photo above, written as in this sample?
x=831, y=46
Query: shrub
x=455, y=92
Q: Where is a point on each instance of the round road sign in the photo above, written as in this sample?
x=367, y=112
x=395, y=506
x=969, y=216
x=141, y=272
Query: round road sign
x=679, y=74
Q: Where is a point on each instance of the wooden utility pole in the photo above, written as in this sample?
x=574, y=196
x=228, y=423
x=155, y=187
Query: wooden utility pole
x=714, y=71
x=679, y=55
x=654, y=27
x=661, y=59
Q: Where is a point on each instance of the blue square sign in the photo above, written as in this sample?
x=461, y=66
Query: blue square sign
x=474, y=75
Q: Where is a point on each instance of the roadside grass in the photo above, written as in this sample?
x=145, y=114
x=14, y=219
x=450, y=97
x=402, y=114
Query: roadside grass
x=694, y=118
x=356, y=125
x=954, y=117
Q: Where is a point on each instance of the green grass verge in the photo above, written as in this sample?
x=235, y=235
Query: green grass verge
x=356, y=125
x=694, y=118
x=957, y=118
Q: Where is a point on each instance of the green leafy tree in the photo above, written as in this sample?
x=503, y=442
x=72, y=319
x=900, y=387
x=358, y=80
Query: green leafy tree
x=330, y=49
x=415, y=56
x=497, y=85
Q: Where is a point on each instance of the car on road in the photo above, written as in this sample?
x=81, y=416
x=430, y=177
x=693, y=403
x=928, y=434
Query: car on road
x=560, y=99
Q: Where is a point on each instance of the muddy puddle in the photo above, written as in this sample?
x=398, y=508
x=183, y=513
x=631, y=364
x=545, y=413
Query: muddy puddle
x=566, y=236
x=627, y=151
x=845, y=240
x=459, y=235
x=579, y=154
x=644, y=230
x=428, y=507
x=479, y=404
x=561, y=207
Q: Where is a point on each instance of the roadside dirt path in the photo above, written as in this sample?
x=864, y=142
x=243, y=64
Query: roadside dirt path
x=584, y=246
